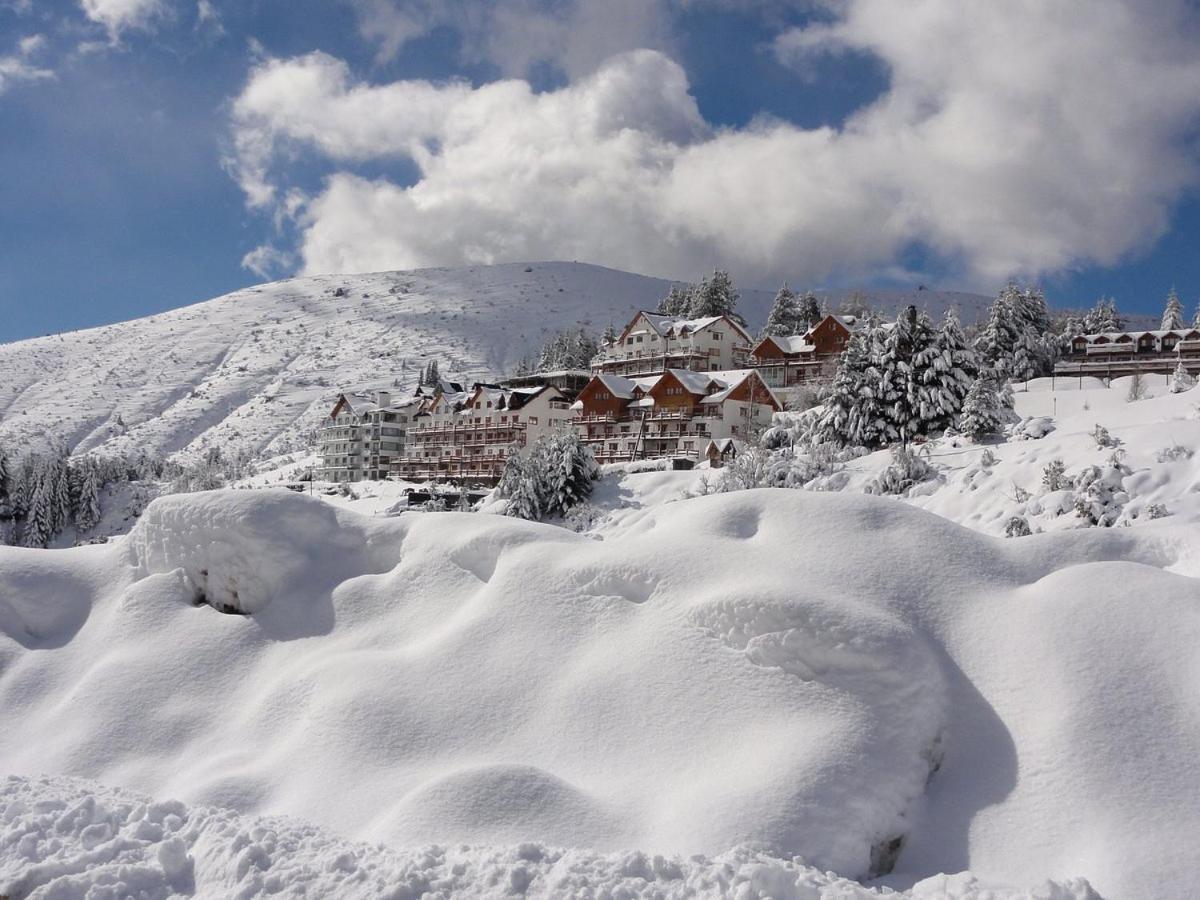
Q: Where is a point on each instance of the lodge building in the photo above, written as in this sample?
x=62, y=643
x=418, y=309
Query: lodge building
x=1120, y=353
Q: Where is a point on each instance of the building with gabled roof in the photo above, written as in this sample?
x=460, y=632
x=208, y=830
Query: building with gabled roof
x=670, y=415
x=468, y=436
x=787, y=361
x=1114, y=354
x=652, y=343
x=362, y=435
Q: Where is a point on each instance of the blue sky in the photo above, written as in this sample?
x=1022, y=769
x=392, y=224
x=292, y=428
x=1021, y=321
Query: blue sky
x=159, y=152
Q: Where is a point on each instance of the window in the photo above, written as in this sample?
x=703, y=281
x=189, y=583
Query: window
x=639, y=339
x=533, y=420
x=716, y=335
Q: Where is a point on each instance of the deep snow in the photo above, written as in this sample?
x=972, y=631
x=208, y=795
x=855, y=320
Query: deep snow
x=65, y=838
x=776, y=668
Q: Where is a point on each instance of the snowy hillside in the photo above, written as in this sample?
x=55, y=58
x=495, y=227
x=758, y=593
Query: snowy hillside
x=257, y=369
x=828, y=675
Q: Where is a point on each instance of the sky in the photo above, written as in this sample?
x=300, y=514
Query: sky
x=155, y=153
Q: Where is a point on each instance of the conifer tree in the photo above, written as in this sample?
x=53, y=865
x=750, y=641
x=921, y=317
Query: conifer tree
x=1172, y=317
x=808, y=312
x=567, y=469
x=1103, y=317
x=987, y=406
x=610, y=335
x=38, y=526
x=782, y=319
x=715, y=295
x=943, y=372
x=87, y=509
x=677, y=302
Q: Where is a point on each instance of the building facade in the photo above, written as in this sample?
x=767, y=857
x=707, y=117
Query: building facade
x=786, y=361
x=468, y=436
x=1115, y=354
x=362, y=436
x=651, y=343
x=674, y=414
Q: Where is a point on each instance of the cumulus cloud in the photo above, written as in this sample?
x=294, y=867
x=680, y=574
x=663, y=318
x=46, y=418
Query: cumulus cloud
x=1013, y=138
x=121, y=15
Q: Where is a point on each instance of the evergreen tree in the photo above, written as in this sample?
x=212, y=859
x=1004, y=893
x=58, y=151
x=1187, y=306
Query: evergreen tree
x=38, y=526
x=435, y=378
x=60, y=500
x=1180, y=380
x=808, y=312
x=1196, y=318
x=567, y=470
x=677, y=302
x=585, y=347
x=87, y=509
x=715, y=295
x=1172, y=318
x=519, y=485
x=782, y=319
x=853, y=413
x=908, y=343
x=942, y=374
x=987, y=406
x=1103, y=317
x=610, y=335
x=1015, y=340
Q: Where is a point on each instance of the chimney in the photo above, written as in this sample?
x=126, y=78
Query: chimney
x=383, y=398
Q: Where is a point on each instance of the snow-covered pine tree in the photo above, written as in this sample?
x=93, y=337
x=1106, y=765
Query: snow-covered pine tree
x=1103, y=317
x=610, y=335
x=1172, y=317
x=87, y=507
x=519, y=485
x=4, y=476
x=942, y=373
x=435, y=377
x=1015, y=340
x=834, y=424
x=910, y=339
x=808, y=312
x=677, y=302
x=1196, y=317
x=782, y=319
x=37, y=529
x=715, y=295
x=1180, y=380
x=585, y=347
x=60, y=506
x=568, y=470
x=987, y=406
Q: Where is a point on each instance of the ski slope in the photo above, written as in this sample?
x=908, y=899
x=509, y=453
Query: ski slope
x=257, y=369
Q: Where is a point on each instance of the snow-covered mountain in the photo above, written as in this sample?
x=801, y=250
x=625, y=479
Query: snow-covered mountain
x=258, y=368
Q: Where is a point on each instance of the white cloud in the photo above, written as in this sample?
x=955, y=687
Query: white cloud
x=1014, y=138
x=120, y=15
x=18, y=66
x=268, y=262
x=574, y=36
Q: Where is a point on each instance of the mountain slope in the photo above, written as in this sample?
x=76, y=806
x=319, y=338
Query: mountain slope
x=256, y=369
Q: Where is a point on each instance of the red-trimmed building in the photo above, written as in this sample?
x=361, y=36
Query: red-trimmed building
x=674, y=414
x=786, y=361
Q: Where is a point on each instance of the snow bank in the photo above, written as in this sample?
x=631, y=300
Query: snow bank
x=64, y=838
x=832, y=676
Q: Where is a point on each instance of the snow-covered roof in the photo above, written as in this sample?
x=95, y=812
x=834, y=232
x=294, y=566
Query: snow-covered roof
x=694, y=382
x=1132, y=335
x=792, y=343
x=623, y=388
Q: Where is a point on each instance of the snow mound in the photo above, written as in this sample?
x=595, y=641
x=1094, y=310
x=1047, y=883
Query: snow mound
x=240, y=550
x=838, y=677
x=64, y=838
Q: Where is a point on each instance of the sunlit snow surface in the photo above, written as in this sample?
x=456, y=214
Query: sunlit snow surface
x=811, y=674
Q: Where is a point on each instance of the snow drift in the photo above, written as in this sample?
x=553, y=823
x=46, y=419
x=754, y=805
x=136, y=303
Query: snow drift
x=841, y=678
x=72, y=838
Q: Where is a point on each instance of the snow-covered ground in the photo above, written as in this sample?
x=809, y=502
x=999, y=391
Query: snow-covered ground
x=74, y=837
x=1154, y=440
x=832, y=676
x=258, y=368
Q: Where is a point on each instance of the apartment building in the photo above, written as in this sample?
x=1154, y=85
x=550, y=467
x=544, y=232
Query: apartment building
x=652, y=343
x=1119, y=353
x=362, y=436
x=673, y=414
x=468, y=436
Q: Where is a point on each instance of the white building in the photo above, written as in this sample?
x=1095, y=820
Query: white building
x=652, y=343
x=469, y=436
x=362, y=436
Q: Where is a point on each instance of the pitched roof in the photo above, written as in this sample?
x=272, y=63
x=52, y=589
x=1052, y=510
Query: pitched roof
x=792, y=343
